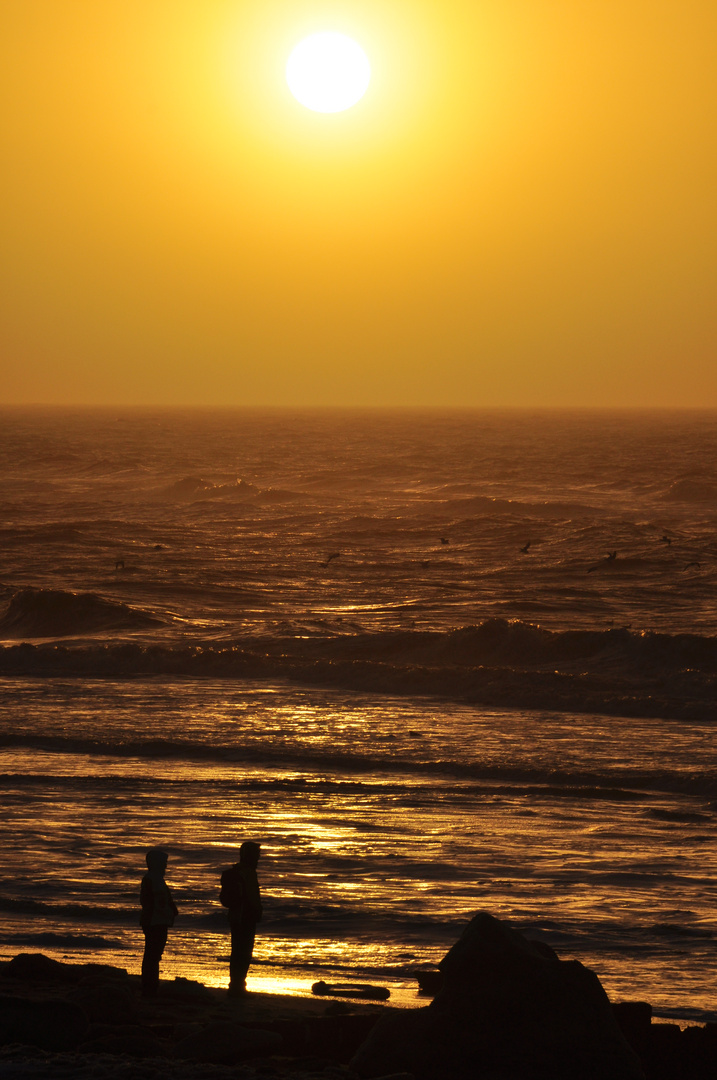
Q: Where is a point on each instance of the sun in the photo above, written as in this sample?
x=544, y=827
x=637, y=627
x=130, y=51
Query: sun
x=328, y=72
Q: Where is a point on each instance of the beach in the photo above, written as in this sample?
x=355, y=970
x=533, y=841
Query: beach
x=110, y=1030
x=85, y=1021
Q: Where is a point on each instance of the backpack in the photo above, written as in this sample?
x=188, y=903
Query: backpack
x=232, y=891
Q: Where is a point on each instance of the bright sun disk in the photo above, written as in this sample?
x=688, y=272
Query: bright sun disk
x=328, y=72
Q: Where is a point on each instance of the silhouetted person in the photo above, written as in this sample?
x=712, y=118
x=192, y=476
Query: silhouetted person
x=240, y=893
x=158, y=914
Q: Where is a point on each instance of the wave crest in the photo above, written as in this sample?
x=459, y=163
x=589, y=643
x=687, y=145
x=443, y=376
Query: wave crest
x=42, y=613
x=497, y=663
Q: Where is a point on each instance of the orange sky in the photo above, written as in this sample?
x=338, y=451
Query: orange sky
x=521, y=211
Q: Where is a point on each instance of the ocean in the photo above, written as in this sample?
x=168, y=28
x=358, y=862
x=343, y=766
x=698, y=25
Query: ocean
x=434, y=662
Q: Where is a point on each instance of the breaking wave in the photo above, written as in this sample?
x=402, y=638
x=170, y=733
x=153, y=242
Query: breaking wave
x=44, y=613
x=613, y=784
x=497, y=663
x=692, y=491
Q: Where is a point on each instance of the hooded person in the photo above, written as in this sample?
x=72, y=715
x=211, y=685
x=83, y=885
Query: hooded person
x=158, y=914
x=240, y=894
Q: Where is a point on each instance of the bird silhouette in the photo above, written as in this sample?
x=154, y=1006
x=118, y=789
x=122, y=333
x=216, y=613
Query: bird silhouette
x=610, y=557
x=525, y=549
x=331, y=557
x=693, y=563
x=665, y=539
x=444, y=540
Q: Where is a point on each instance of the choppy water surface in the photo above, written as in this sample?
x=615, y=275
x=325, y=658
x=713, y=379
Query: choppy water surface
x=428, y=723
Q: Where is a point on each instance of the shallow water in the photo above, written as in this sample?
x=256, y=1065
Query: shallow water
x=384, y=825
x=564, y=777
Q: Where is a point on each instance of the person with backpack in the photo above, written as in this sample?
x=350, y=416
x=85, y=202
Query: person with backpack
x=240, y=894
x=158, y=914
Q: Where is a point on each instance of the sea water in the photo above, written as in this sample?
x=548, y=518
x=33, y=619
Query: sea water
x=435, y=663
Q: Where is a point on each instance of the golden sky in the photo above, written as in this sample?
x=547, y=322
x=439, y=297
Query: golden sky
x=520, y=211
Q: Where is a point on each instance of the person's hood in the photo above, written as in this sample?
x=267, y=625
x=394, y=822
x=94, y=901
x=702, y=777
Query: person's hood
x=156, y=865
x=249, y=854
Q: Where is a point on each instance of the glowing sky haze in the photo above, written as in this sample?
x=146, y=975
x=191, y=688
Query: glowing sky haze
x=520, y=211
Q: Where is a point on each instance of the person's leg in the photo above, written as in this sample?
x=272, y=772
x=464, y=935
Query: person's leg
x=155, y=938
x=243, y=935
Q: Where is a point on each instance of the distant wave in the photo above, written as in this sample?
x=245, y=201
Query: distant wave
x=617, y=785
x=64, y=941
x=39, y=613
x=484, y=505
x=81, y=912
x=195, y=488
x=692, y=491
x=55, y=533
x=497, y=663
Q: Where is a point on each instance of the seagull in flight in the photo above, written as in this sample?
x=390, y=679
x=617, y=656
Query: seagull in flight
x=331, y=557
x=525, y=549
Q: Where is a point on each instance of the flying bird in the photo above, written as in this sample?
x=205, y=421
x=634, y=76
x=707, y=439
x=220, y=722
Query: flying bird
x=444, y=541
x=331, y=557
x=525, y=549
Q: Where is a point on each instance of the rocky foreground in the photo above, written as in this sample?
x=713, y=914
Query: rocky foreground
x=508, y=1009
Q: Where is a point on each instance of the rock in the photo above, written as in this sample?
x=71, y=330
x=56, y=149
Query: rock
x=36, y=967
x=699, y=1052
x=634, y=1018
x=396, y=1044
x=664, y=1053
x=49, y=1025
x=133, y=1043
x=224, y=1043
x=105, y=1002
x=509, y=1009
x=429, y=982
x=185, y=989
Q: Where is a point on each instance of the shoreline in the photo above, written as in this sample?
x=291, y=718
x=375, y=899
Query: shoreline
x=82, y=1021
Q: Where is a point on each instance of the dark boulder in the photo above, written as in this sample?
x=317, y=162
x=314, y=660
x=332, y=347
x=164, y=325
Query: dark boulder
x=49, y=1025
x=181, y=989
x=109, y=1003
x=509, y=1009
x=125, y=1039
x=36, y=967
x=224, y=1043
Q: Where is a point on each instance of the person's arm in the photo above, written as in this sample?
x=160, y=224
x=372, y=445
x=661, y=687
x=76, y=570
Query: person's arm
x=146, y=899
x=256, y=901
